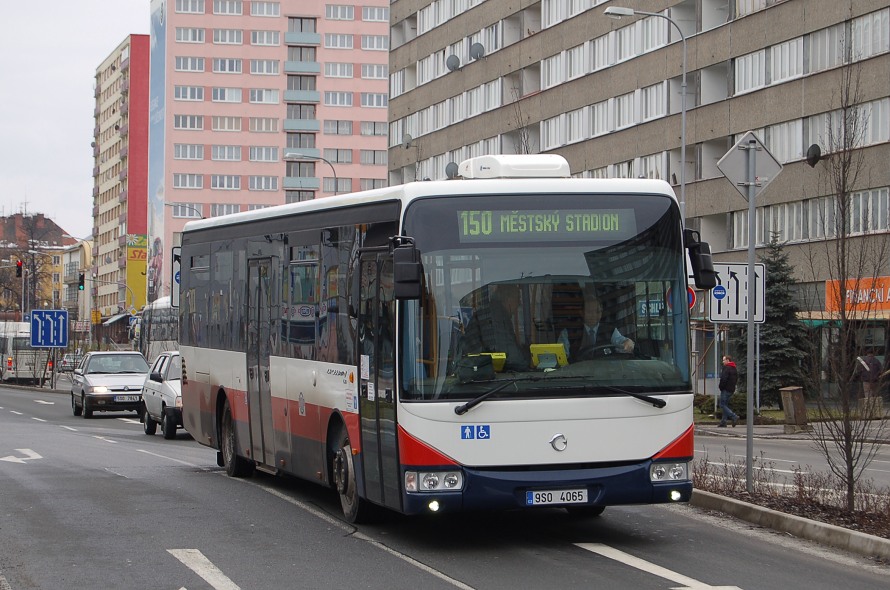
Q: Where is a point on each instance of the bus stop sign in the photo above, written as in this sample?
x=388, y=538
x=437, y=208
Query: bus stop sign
x=49, y=328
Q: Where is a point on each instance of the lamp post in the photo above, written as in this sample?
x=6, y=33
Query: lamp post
x=297, y=156
x=617, y=12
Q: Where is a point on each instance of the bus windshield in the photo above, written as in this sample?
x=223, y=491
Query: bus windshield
x=561, y=295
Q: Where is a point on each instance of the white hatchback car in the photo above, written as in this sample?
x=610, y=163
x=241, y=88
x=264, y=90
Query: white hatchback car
x=162, y=395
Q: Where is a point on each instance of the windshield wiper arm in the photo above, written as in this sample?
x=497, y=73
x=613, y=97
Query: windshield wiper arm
x=464, y=408
x=658, y=403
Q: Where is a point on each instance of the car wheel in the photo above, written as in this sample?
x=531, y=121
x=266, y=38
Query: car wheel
x=87, y=412
x=355, y=509
x=148, y=425
x=235, y=466
x=75, y=409
x=168, y=425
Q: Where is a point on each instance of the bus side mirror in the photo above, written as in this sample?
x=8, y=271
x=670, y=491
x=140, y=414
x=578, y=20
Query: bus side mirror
x=700, y=258
x=407, y=272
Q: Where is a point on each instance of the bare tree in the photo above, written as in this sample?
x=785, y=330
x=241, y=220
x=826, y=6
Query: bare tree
x=522, y=138
x=850, y=256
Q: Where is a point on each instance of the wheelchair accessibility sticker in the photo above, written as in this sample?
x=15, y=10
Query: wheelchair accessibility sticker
x=475, y=431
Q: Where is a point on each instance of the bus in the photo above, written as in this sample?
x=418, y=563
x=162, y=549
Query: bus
x=156, y=329
x=327, y=340
x=20, y=362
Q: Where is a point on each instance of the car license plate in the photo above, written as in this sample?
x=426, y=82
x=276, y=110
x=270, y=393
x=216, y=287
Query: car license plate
x=126, y=398
x=544, y=497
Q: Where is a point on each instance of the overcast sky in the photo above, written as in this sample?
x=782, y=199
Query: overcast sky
x=49, y=52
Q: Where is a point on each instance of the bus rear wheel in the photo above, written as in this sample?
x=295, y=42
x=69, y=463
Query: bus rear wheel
x=235, y=466
x=355, y=509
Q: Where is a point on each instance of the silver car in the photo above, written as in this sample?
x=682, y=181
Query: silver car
x=108, y=381
x=162, y=395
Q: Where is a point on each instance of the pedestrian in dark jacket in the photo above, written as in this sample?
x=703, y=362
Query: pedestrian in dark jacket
x=729, y=377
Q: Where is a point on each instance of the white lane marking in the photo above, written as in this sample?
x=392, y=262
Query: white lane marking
x=28, y=455
x=130, y=420
x=168, y=458
x=198, y=563
x=38, y=419
x=46, y=403
x=108, y=440
x=16, y=413
x=342, y=525
x=69, y=428
x=4, y=585
x=651, y=568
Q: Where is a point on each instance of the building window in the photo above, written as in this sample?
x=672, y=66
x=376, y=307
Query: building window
x=335, y=127
x=189, y=64
x=263, y=183
x=264, y=67
x=226, y=123
x=786, y=60
x=189, y=122
x=300, y=111
x=300, y=169
x=189, y=35
x=300, y=25
x=338, y=99
x=301, y=140
x=339, y=12
x=232, y=7
x=263, y=96
x=226, y=95
x=653, y=101
x=217, y=209
x=750, y=71
x=339, y=185
x=338, y=156
x=375, y=71
x=188, y=151
x=264, y=124
x=373, y=157
x=265, y=8
x=187, y=210
x=188, y=93
x=338, y=41
x=301, y=82
x=366, y=184
x=188, y=181
x=226, y=153
x=228, y=36
x=625, y=115
x=265, y=38
x=375, y=99
x=300, y=53
x=374, y=128
x=190, y=6
x=263, y=154
x=226, y=182
x=298, y=196
x=338, y=70
x=229, y=65
x=375, y=42
x=375, y=14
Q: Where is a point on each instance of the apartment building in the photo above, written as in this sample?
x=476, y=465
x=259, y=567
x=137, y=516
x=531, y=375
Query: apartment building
x=116, y=280
x=474, y=77
x=255, y=104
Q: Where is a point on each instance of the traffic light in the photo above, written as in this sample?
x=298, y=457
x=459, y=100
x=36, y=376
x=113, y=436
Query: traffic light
x=18, y=268
x=80, y=283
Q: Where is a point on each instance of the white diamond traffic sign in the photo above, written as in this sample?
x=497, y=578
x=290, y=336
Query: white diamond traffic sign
x=734, y=165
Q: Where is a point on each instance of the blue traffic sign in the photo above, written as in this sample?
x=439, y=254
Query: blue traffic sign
x=49, y=328
x=719, y=292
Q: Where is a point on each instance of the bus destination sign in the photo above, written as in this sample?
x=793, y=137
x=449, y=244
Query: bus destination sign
x=545, y=225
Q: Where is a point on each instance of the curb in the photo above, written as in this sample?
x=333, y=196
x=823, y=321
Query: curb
x=804, y=528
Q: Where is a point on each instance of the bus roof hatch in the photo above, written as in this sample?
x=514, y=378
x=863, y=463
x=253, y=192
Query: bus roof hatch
x=515, y=166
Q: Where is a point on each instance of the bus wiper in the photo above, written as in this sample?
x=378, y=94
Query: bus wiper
x=464, y=408
x=658, y=403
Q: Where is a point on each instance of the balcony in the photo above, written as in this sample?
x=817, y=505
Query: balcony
x=301, y=182
x=122, y=196
x=125, y=86
x=302, y=125
x=122, y=261
x=95, y=194
x=302, y=38
x=302, y=96
x=125, y=64
x=124, y=130
x=125, y=107
x=302, y=67
x=122, y=175
x=124, y=151
x=95, y=171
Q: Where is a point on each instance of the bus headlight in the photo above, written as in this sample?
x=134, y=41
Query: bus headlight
x=433, y=481
x=669, y=471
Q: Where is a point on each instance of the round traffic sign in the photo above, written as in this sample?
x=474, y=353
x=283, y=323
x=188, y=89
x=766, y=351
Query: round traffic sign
x=719, y=292
x=690, y=294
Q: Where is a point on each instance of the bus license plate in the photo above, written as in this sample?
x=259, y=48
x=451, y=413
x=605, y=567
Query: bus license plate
x=126, y=398
x=544, y=497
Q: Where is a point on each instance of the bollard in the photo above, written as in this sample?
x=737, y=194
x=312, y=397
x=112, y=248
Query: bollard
x=795, y=409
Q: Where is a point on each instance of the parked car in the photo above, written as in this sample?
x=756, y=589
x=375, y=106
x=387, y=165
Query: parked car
x=108, y=381
x=69, y=361
x=162, y=395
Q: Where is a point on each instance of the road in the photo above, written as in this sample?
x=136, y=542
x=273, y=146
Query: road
x=97, y=503
x=784, y=456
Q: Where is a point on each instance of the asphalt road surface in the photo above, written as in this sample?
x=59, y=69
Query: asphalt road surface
x=98, y=504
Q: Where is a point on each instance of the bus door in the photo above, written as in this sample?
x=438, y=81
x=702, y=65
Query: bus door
x=376, y=345
x=261, y=301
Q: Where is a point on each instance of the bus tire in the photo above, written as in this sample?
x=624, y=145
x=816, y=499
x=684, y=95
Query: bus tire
x=149, y=426
x=355, y=509
x=168, y=426
x=75, y=409
x=235, y=466
x=585, y=511
x=87, y=412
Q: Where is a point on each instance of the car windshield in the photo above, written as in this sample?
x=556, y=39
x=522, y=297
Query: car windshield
x=555, y=310
x=130, y=363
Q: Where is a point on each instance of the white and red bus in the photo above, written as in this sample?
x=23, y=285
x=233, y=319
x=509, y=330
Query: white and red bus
x=331, y=340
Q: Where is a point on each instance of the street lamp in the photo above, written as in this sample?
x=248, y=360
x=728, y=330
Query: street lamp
x=297, y=156
x=617, y=12
x=186, y=206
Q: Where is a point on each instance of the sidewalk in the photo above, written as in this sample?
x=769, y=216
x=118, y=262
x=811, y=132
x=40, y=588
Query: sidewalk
x=776, y=431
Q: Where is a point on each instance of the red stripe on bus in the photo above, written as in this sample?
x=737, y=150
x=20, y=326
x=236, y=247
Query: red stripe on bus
x=415, y=452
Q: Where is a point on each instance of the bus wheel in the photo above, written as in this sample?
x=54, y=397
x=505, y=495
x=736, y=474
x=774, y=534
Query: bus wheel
x=75, y=409
x=585, y=511
x=343, y=470
x=235, y=466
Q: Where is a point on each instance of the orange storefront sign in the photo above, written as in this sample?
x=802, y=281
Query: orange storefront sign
x=864, y=294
